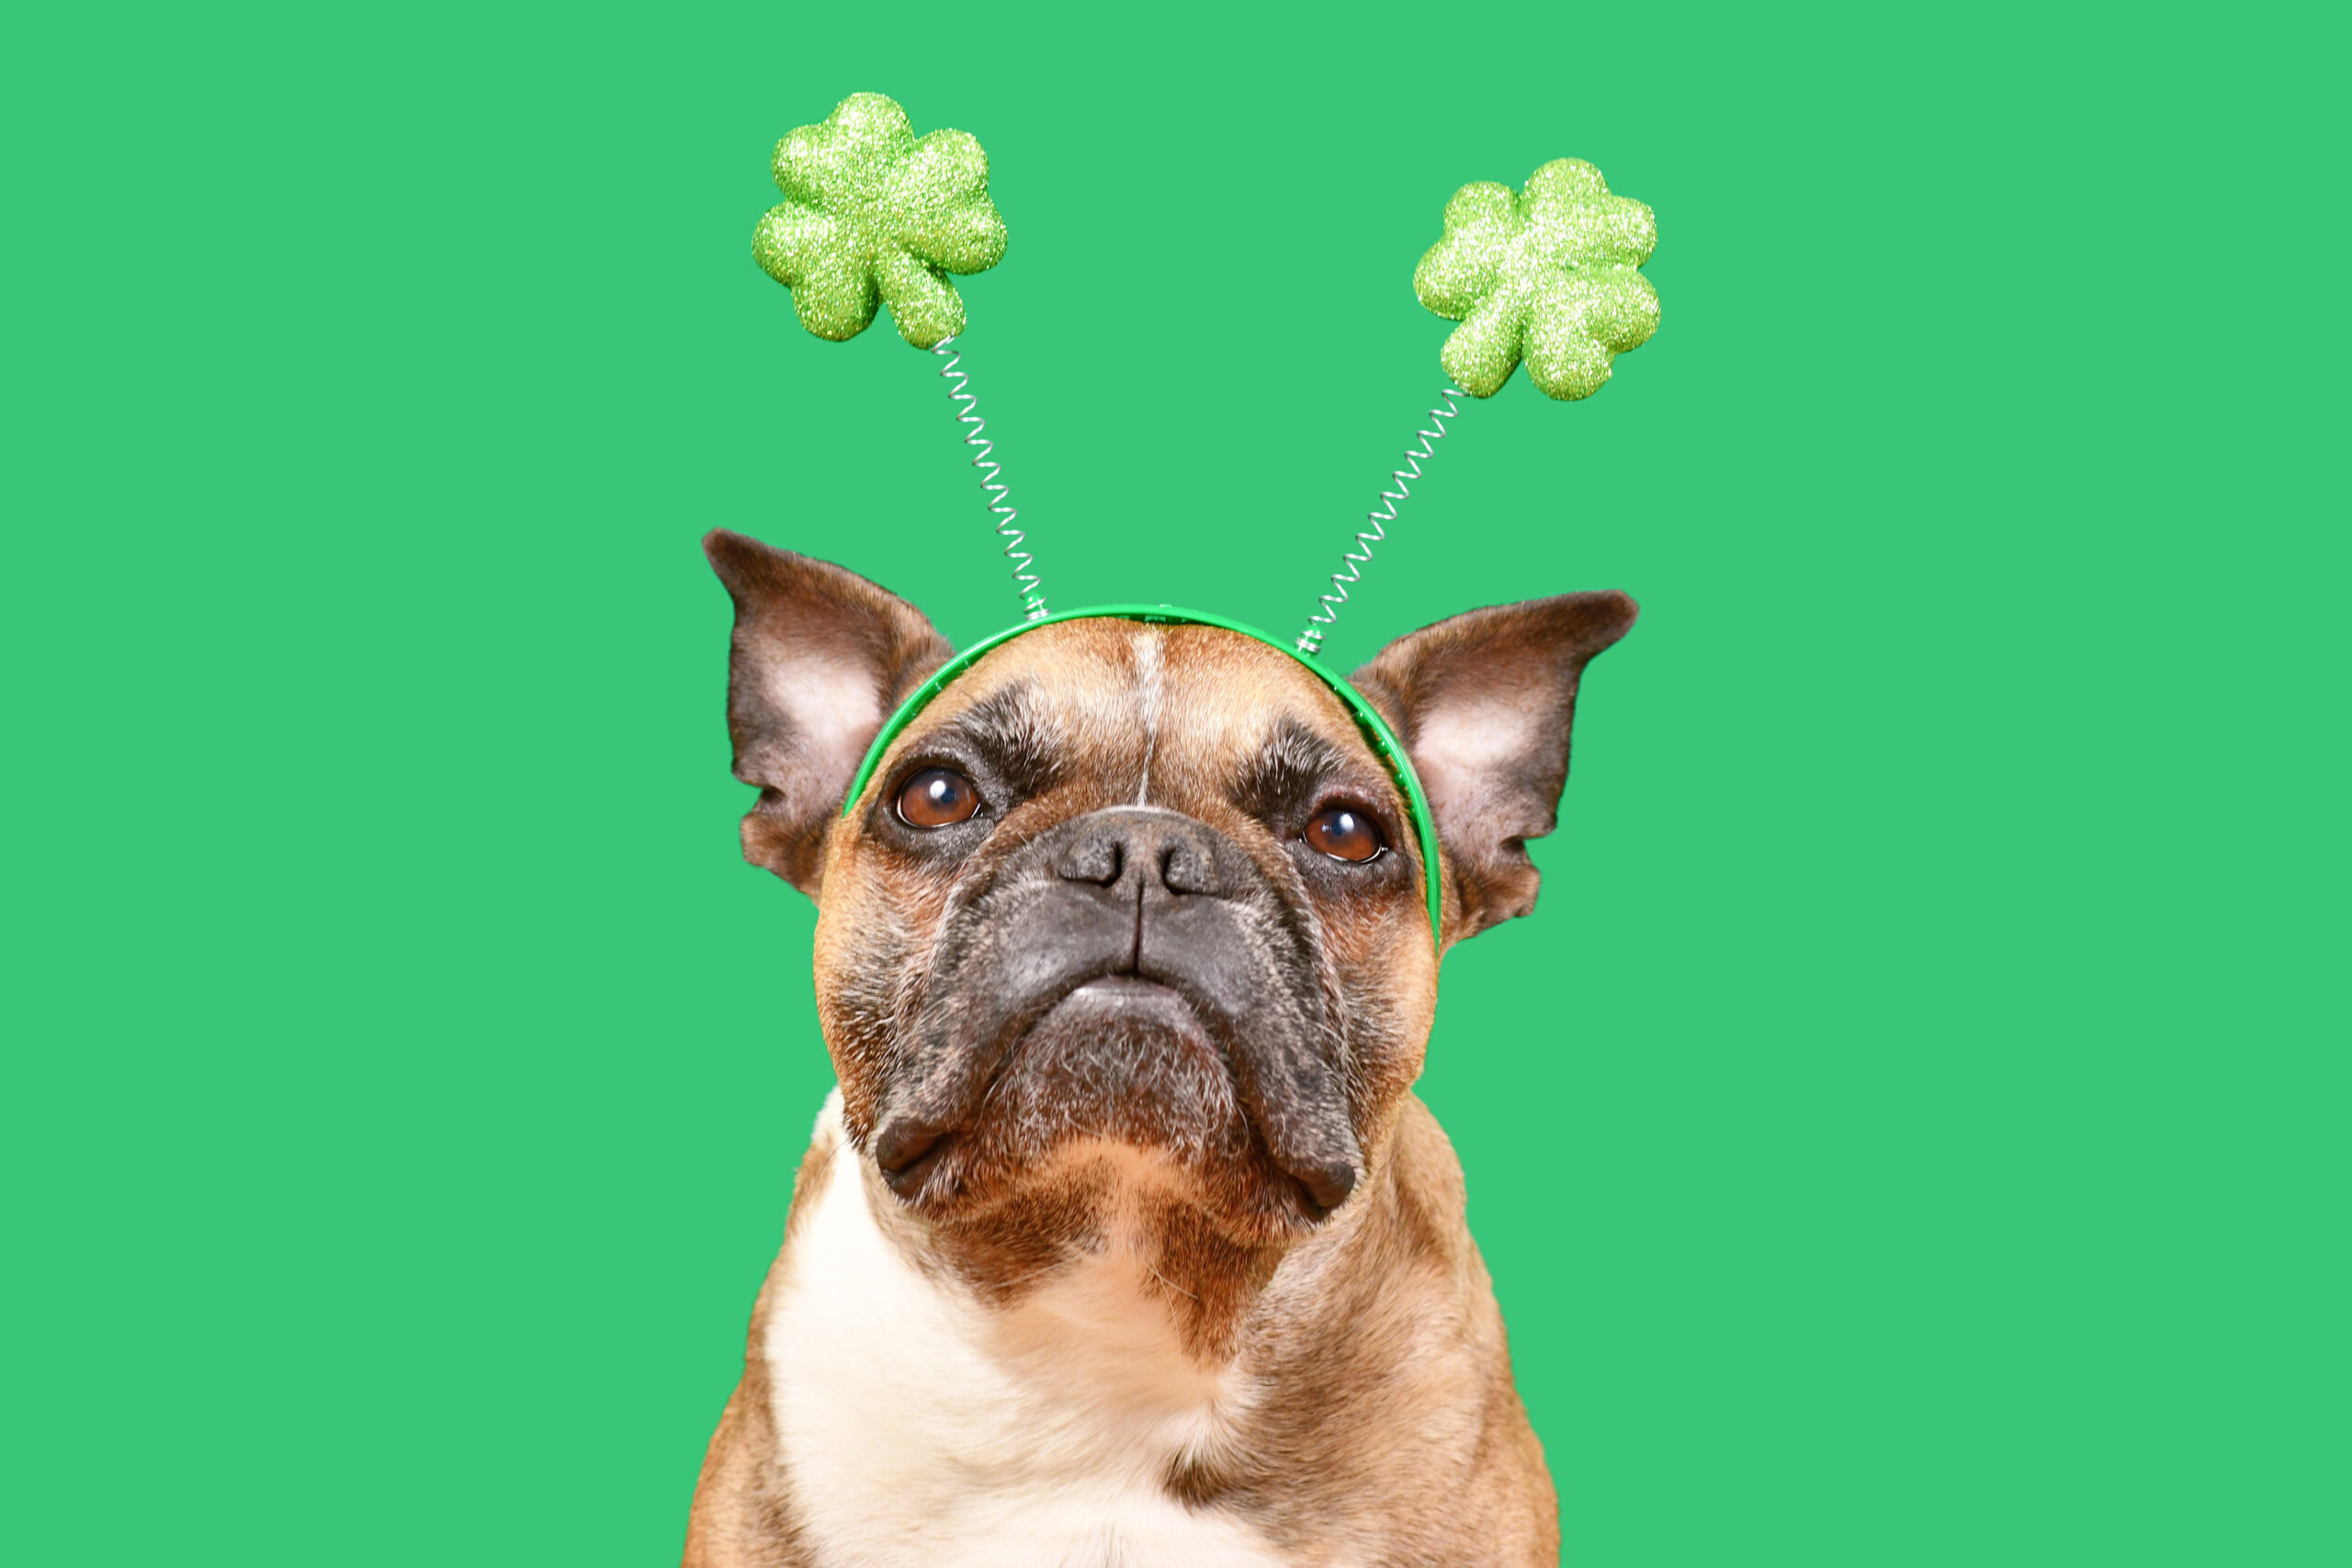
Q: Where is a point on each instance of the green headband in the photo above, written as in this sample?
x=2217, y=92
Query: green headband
x=1375, y=729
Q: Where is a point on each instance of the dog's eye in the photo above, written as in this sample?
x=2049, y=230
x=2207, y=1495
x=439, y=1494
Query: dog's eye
x=1344, y=833
x=937, y=797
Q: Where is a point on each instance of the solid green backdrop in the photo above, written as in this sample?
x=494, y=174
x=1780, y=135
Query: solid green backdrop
x=1910, y=1130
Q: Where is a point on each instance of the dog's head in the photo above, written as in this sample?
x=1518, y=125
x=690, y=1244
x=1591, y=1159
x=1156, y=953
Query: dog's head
x=1135, y=895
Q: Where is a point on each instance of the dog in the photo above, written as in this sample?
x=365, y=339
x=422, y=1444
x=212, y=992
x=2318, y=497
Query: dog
x=1124, y=1239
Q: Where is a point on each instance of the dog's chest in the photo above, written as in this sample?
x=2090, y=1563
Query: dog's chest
x=917, y=1427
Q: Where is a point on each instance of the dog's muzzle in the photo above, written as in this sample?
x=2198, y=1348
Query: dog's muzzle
x=1119, y=921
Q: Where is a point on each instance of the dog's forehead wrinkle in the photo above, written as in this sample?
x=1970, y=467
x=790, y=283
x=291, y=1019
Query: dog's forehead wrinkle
x=1293, y=743
x=1010, y=716
x=1291, y=761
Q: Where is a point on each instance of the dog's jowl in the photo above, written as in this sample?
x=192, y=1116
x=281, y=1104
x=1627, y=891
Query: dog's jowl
x=1125, y=1240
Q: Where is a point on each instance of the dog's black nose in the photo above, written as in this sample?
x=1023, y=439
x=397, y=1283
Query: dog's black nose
x=1160, y=851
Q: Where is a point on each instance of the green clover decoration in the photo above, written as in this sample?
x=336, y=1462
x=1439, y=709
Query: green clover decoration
x=1551, y=275
x=869, y=210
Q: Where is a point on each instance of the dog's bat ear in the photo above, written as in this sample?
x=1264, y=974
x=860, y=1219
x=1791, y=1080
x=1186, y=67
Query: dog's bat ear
x=820, y=656
x=1483, y=702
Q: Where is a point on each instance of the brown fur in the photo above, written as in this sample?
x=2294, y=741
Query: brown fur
x=743, y=1515
x=1384, y=1427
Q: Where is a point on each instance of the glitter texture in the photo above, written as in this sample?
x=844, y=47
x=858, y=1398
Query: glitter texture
x=1551, y=275
x=869, y=210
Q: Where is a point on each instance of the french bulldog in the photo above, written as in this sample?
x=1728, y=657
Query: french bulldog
x=1124, y=1239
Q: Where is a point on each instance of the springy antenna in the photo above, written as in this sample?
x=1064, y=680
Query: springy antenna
x=1025, y=579
x=1311, y=639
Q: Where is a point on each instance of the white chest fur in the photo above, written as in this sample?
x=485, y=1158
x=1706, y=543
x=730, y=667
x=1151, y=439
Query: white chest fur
x=920, y=1426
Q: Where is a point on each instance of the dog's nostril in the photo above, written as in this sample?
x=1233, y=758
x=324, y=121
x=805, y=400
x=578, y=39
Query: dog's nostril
x=1185, y=868
x=1170, y=856
x=1096, y=859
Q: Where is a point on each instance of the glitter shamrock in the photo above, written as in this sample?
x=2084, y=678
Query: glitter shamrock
x=1551, y=275
x=870, y=209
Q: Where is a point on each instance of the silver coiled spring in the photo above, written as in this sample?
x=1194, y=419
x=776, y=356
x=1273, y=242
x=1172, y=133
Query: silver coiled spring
x=1311, y=639
x=967, y=411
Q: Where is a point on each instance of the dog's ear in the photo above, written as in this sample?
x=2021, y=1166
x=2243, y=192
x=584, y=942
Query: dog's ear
x=820, y=656
x=1483, y=702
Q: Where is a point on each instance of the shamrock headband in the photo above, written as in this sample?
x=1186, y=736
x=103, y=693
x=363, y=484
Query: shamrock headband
x=1383, y=739
x=1548, y=276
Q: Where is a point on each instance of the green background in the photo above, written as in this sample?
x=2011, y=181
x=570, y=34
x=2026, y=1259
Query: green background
x=1911, y=1130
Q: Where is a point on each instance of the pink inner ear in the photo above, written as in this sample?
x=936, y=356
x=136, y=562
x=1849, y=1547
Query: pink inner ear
x=832, y=710
x=1458, y=750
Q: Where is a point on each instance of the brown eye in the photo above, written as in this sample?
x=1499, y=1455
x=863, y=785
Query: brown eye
x=1343, y=833
x=937, y=797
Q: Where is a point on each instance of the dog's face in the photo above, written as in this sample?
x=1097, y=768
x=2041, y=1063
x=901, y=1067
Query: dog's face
x=1135, y=902
x=1142, y=884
